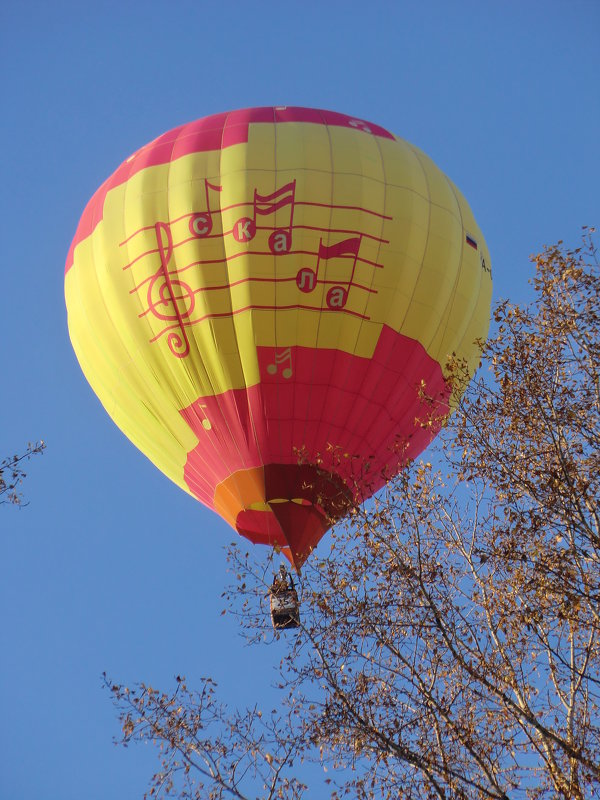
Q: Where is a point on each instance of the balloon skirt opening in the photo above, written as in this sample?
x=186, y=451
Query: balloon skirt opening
x=285, y=506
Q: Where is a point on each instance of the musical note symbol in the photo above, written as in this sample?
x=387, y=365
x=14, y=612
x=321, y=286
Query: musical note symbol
x=280, y=240
x=206, y=423
x=360, y=125
x=282, y=358
x=170, y=300
x=307, y=279
x=201, y=223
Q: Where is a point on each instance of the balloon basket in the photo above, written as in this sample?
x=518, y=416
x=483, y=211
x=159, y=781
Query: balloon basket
x=285, y=610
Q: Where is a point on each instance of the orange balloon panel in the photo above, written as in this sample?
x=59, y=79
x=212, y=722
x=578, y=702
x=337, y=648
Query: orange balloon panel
x=258, y=299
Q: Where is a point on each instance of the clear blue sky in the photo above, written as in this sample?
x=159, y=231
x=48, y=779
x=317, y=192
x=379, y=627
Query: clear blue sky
x=111, y=567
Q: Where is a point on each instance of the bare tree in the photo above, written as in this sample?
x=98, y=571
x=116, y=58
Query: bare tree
x=449, y=645
x=12, y=473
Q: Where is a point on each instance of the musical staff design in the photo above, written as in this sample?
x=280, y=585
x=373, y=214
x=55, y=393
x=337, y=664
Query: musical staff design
x=308, y=279
x=280, y=240
x=196, y=273
x=171, y=300
x=201, y=224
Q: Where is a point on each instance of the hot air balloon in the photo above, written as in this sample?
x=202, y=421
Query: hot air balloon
x=262, y=301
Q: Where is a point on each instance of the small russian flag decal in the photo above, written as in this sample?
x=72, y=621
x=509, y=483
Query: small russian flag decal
x=471, y=242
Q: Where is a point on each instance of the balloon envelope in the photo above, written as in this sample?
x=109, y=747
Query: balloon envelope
x=262, y=299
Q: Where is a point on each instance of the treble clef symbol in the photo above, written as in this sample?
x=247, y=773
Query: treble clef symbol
x=170, y=299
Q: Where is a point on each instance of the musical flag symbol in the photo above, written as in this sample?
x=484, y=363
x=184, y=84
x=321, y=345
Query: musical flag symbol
x=360, y=125
x=282, y=358
x=170, y=300
x=206, y=423
x=280, y=241
x=307, y=279
x=201, y=223
x=347, y=247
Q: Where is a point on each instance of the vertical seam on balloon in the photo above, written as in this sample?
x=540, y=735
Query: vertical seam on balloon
x=215, y=394
x=396, y=423
x=78, y=272
x=243, y=460
x=341, y=320
x=342, y=330
x=310, y=384
x=320, y=315
x=243, y=457
x=194, y=383
x=261, y=458
x=415, y=154
x=186, y=365
x=101, y=294
x=476, y=304
x=295, y=457
x=450, y=302
x=227, y=432
x=211, y=382
x=278, y=382
x=373, y=389
x=132, y=361
x=115, y=373
x=459, y=344
x=184, y=401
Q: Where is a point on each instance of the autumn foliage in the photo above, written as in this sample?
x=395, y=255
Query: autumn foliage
x=449, y=645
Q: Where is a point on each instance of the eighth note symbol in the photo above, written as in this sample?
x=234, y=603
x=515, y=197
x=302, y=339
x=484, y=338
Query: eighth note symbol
x=206, y=423
x=281, y=358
